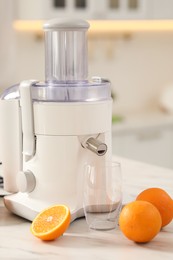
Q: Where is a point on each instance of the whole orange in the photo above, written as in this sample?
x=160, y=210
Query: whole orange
x=140, y=221
x=161, y=200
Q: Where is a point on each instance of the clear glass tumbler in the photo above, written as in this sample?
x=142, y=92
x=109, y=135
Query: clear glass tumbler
x=102, y=199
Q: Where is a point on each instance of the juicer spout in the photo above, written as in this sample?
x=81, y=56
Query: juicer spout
x=96, y=146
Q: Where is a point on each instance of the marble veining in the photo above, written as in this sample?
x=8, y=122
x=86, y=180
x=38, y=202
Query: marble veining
x=78, y=242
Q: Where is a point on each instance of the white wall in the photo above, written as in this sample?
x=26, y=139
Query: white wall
x=7, y=43
x=139, y=66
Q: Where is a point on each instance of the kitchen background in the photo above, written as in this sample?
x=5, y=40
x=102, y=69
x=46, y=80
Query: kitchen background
x=137, y=57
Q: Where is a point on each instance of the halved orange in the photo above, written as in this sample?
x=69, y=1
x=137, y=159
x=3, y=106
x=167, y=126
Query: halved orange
x=51, y=223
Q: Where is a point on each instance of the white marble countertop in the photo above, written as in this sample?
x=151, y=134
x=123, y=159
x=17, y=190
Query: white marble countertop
x=78, y=242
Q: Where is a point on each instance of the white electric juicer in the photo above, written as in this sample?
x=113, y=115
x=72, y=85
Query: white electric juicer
x=50, y=129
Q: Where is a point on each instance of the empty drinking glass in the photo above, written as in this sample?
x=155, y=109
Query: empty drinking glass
x=102, y=200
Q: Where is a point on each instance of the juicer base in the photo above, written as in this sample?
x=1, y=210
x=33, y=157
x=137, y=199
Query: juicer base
x=26, y=207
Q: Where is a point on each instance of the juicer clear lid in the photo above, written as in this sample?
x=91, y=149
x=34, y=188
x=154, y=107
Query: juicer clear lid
x=96, y=90
x=66, y=66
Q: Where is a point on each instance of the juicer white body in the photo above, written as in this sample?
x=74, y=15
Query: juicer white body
x=50, y=130
x=57, y=165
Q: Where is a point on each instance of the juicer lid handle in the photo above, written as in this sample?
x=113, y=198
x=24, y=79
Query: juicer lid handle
x=65, y=24
x=27, y=118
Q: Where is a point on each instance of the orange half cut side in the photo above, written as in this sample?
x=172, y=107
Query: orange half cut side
x=51, y=223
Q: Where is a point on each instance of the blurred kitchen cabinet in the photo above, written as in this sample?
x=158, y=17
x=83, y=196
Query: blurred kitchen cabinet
x=150, y=145
x=48, y=9
x=162, y=9
x=94, y=9
x=127, y=9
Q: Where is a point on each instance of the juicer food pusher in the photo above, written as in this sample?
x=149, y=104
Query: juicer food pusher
x=50, y=130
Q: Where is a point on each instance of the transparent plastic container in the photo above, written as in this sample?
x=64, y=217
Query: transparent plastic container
x=66, y=51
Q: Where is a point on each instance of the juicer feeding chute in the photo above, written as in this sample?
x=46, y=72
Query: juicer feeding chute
x=55, y=127
x=66, y=50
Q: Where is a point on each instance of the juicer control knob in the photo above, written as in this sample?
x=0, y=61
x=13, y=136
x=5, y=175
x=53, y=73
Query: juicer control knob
x=26, y=181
